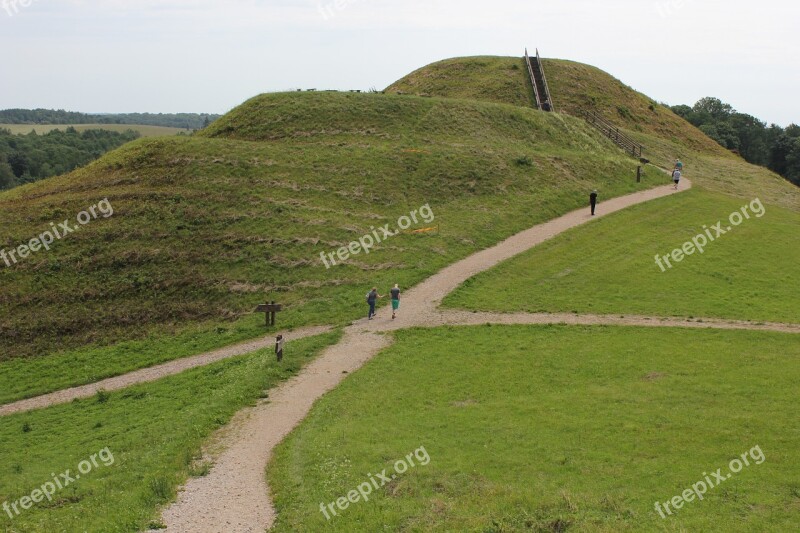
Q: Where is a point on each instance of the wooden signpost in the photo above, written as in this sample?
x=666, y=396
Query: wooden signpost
x=270, y=309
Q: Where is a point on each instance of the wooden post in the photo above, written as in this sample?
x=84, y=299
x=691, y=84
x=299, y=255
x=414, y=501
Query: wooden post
x=639, y=174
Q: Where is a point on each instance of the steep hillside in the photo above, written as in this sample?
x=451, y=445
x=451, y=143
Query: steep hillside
x=204, y=228
x=502, y=80
x=576, y=87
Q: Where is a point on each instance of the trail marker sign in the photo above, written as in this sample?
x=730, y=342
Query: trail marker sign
x=270, y=309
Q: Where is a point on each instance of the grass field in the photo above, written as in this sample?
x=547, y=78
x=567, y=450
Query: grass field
x=609, y=266
x=553, y=429
x=144, y=131
x=154, y=433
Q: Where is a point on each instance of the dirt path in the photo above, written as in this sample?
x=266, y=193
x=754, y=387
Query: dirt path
x=234, y=497
x=152, y=373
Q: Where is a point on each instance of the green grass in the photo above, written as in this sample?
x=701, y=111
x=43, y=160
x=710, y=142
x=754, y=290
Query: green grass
x=144, y=131
x=204, y=228
x=609, y=267
x=529, y=428
x=502, y=80
x=154, y=432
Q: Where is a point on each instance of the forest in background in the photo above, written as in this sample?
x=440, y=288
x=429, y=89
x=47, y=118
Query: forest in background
x=770, y=146
x=28, y=158
x=189, y=121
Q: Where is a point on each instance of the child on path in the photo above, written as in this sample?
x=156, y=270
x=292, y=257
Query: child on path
x=678, y=165
x=676, y=178
x=395, y=300
x=593, y=201
x=372, y=298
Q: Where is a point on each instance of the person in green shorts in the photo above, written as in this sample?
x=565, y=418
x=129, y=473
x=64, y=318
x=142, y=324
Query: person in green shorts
x=395, y=300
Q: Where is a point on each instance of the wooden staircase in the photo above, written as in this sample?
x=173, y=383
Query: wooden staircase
x=541, y=91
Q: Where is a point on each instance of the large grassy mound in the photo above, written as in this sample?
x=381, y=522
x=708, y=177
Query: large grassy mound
x=576, y=87
x=204, y=228
x=610, y=266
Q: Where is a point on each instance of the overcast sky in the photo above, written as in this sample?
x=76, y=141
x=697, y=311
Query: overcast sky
x=209, y=56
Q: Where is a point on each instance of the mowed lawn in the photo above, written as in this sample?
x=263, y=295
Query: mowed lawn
x=144, y=131
x=152, y=432
x=553, y=428
x=609, y=266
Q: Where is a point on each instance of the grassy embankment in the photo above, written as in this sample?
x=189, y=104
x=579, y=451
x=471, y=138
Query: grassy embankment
x=609, y=266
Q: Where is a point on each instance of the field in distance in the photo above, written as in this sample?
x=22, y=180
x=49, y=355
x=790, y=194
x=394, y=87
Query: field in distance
x=144, y=131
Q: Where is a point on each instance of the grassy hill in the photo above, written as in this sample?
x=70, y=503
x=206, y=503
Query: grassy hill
x=547, y=428
x=576, y=87
x=205, y=228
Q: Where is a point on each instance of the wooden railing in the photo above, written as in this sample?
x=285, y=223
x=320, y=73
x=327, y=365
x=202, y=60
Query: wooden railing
x=533, y=80
x=548, y=97
x=613, y=132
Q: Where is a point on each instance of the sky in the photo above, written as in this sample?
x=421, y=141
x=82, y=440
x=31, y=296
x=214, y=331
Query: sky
x=116, y=56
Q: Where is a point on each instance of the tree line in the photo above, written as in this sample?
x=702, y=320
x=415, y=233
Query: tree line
x=31, y=157
x=189, y=121
x=770, y=146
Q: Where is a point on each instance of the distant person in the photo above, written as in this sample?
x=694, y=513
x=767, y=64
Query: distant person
x=676, y=178
x=279, y=347
x=678, y=165
x=593, y=201
x=372, y=299
x=395, y=300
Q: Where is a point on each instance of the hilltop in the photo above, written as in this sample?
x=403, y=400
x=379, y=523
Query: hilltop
x=576, y=87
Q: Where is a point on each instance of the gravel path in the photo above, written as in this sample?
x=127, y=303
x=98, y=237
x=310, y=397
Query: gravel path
x=234, y=497
x=153, y=373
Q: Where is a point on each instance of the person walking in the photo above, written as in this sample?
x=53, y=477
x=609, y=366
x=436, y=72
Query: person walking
x=593, y=201
x=372, y=298
x=676, y=178
x=395, y=300
x=678, y=165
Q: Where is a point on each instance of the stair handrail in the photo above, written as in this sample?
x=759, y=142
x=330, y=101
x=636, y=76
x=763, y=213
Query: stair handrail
x=613, y=132
x=544, y=79
x=533, y=80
